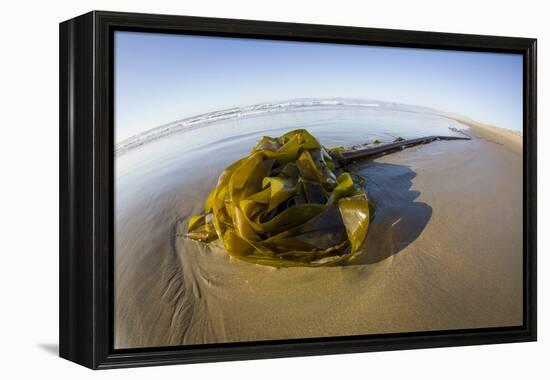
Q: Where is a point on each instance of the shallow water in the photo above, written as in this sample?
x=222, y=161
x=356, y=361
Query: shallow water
x=333, y=126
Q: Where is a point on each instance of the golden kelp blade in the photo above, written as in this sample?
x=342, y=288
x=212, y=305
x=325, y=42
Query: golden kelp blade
x=286, y=204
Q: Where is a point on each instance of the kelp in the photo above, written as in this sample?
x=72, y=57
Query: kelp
x=287, y=204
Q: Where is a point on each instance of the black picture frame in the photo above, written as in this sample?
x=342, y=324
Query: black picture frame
x=86, y=189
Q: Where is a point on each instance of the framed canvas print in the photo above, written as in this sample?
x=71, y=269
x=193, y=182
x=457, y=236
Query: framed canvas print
x=237, y=189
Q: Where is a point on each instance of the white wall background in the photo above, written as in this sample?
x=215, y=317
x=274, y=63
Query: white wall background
x=29, y=201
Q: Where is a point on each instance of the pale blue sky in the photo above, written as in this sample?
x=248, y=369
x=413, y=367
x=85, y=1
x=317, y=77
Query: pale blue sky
x=160, y=78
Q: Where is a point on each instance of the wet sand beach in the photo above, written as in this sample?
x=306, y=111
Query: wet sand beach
x=443, y=252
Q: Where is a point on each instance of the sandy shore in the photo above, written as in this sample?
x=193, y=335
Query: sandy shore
x=443, y=252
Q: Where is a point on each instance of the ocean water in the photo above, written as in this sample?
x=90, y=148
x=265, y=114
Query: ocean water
x=233, y=138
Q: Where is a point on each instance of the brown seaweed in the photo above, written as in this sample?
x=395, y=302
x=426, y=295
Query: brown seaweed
x=286, y=204
x=291, y=202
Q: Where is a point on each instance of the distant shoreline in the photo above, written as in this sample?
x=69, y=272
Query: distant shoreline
x=510, y=138
x=305, y=104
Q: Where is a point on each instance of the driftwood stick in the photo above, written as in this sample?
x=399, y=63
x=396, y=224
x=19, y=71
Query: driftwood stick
x=354, y=155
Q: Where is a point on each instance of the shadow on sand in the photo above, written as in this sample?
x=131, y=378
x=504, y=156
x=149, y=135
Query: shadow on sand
x=398, y=220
